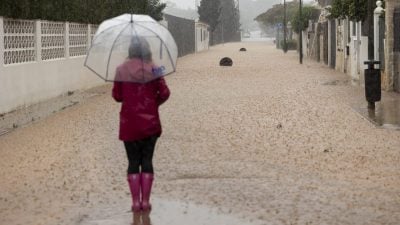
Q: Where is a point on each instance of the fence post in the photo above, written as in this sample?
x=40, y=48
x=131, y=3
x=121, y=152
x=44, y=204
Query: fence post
x=377, y=13
x=66, y=38
x=38, y=38
x=89, y=37
x=1, y=42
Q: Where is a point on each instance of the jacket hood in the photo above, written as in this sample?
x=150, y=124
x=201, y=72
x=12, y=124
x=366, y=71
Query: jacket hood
x=136, y=70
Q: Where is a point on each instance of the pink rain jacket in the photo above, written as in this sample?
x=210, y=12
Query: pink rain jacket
x=139, y=116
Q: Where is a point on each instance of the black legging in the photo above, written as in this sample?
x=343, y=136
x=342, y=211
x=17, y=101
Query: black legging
x=140, y=155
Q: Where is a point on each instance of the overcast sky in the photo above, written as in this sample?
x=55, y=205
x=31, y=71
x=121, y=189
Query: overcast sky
x=184, y=4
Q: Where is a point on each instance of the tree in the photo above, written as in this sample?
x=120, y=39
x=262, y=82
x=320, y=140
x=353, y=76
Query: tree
x=355, y=10
x=308, y=13
x=339, y=9
x=154, y=9
x=18, y=8
x=229, y=21
x=84, y=11
x=209, y=12
x=275, y=14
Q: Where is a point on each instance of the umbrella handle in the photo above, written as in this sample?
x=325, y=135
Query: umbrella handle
x=158, y=71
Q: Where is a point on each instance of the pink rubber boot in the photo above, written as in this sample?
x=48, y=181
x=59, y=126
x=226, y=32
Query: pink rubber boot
x=147, y=182
x=134, y=186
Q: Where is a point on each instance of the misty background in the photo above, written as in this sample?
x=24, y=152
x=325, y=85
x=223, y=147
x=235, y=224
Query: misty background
x=249, y=9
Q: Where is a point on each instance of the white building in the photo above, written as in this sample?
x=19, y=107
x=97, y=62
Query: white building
x=202, y=36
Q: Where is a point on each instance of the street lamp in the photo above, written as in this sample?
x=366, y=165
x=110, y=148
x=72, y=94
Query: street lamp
x=300, y=32
x=238, y=9
x=284, y=27
x=370, y=15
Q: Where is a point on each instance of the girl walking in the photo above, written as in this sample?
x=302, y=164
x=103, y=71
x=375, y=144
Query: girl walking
x=140, y=125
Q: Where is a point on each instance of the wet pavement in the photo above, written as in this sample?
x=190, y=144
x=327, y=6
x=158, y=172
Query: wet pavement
x=266, y=140
x=386, y=114
x=387, y=111
x=166, y=212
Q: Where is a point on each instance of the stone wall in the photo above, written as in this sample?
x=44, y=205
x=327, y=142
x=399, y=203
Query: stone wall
x=392, y=58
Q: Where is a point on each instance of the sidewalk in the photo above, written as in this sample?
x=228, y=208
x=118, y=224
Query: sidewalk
x=267, y=140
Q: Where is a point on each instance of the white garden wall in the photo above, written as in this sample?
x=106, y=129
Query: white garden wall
x=40, y=60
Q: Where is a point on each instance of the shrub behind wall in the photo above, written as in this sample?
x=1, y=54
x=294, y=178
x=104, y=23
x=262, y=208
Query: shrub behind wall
x=81, y=11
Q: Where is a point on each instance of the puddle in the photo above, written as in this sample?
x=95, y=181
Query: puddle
x=165, y=213
x=386, y=114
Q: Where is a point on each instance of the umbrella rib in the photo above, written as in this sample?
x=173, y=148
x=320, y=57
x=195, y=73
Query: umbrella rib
x=170, y=57
x=95, y=72
x=122, y=22
x=136, y=33
x=92, y=45
x=112, y=47
x=97, y=35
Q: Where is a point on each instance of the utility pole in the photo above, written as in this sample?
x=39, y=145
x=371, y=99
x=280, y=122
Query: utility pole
x=301, y=32
x=222, y=33
x=358, y=26
x=370, y=20
x=239, y=29
x=284, y=27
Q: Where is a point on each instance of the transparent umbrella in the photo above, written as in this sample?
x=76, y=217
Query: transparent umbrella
x=137, y=45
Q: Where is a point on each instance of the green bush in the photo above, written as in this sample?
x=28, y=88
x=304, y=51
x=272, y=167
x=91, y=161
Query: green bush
x=82, y=11
x=291, y=44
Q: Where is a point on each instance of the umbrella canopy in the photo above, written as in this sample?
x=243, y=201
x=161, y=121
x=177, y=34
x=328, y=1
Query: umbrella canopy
x=136, y=46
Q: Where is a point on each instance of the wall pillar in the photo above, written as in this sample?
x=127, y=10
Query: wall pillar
x=38, y=38
x=1, y=43
x=89, y=36
x=346, y=34
x=377, y=13
x=66, y=38
x=330, y=42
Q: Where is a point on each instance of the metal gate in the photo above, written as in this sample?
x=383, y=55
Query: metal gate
x=333, y=44
x=396, y=29
x=325, y=41
x=396, y=48
x=382, y=31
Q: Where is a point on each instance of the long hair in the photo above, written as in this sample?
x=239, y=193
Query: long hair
x=139, y=48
